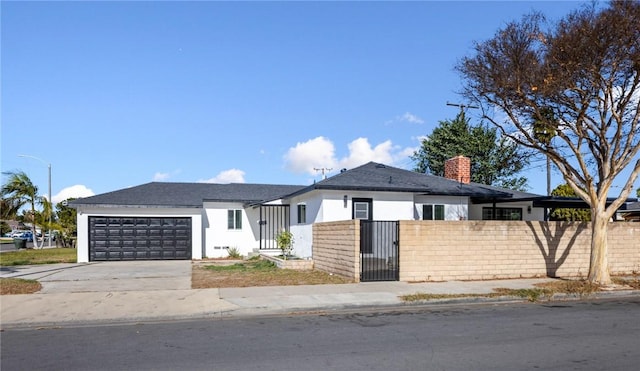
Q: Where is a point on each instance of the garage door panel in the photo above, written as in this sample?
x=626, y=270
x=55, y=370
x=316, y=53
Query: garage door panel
x=127, y=238
x=100, y=255
x=141, y=244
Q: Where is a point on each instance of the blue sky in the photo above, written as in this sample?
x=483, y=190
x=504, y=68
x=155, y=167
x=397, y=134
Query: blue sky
x=116, y=94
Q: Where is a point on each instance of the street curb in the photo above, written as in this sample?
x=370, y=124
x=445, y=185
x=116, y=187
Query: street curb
x=323, y=310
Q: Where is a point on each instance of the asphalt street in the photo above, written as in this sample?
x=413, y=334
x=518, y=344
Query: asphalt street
x=585, y=335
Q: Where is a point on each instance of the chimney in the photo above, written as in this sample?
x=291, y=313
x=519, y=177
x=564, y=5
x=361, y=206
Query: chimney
x=458, y=169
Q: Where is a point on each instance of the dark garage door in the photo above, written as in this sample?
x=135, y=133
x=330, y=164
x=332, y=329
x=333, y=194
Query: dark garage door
x=124, y=238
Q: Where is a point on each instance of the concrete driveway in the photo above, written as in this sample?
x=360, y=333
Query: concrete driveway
x=106, y=276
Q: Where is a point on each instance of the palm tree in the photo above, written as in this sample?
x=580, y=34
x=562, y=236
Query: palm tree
x=19, y=191
x=9, y=209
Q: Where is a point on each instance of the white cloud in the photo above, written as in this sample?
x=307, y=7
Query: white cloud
x=159, y=177
x=361, y=152
x=314, y=153
x=406, y=117
x=226, y=176
x=76, y=191
x=320, y=153
x=411, y=118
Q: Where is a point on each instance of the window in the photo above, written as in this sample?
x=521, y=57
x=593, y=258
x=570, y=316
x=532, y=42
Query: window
x=502, y=213
x=432, y=212
x=361, y=210
x=302, y=213
x=234, y=219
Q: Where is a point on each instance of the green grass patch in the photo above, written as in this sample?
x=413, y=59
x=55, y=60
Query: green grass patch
x=258, y=272
x=249, y=265
x=38, y=256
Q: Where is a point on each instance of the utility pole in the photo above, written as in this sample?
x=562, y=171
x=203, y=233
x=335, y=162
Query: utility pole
x=462, y=106
x=323, y=169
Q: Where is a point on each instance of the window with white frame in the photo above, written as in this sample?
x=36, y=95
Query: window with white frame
x=362, y=209
x=302, y=213
x=432, y=212
x=501, y=213
x=234, y=219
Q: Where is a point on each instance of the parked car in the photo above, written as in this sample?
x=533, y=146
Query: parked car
x=25, y=236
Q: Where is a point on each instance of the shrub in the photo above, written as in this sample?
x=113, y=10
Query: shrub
x=234, y=253
x=284, y=240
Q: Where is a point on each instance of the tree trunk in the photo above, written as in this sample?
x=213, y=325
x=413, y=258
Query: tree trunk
x=599, y=264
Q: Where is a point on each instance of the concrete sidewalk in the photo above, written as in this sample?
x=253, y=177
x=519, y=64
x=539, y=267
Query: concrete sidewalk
x=154, y=291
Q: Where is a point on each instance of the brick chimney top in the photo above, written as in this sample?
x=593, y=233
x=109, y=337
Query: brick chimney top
x=458, y=169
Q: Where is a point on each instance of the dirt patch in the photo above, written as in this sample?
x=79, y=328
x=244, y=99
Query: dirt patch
x=256, y=273
x=16, y=286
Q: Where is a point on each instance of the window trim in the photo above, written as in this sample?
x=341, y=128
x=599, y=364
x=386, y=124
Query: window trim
x=234, y=219
x=368, y=202
x=437, y=210
x=302, y=213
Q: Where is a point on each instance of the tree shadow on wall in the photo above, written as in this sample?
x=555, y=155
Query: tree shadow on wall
x=551, y=244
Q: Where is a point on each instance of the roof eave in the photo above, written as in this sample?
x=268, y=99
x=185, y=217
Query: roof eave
x=129, y=206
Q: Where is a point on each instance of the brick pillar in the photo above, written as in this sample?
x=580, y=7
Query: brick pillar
x=458, y=169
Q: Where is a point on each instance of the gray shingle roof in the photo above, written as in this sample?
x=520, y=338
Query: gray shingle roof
x=378, y=177
x=368, y=177
x=159, y=194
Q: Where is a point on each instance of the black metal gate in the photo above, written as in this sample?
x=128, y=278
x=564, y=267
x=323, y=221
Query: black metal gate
x=273, y=220
x=379, y=251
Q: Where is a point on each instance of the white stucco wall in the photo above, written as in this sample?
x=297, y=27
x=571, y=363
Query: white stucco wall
x=386, y=205
x=84, y=212
x=303, y=232
x=218, y=238
x=328, y=205
x=455, y=207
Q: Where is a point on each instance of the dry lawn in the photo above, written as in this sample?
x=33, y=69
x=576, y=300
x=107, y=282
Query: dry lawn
x=15, y=286
x=256, y=273
x=581, y=288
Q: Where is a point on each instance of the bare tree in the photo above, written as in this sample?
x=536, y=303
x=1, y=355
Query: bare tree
x=580, y=77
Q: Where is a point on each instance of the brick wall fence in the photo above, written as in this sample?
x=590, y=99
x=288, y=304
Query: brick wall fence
x=474, y=250
x=336, y=248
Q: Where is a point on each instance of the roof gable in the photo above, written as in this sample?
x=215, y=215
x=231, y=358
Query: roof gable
x=374, y=176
